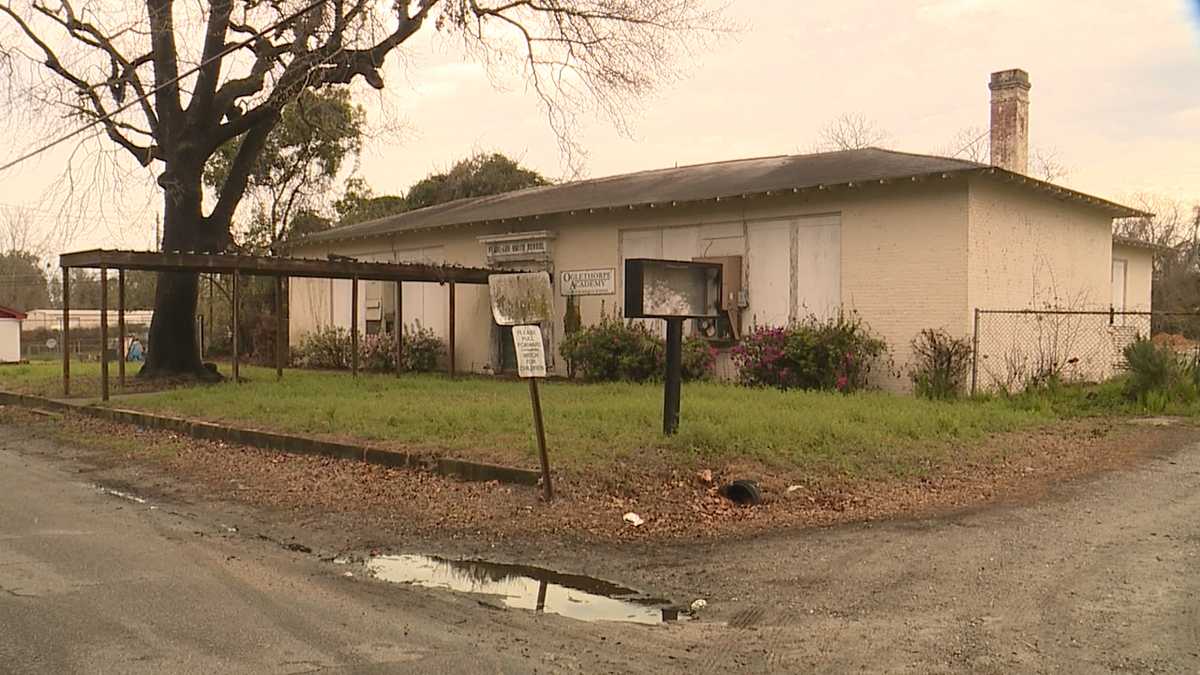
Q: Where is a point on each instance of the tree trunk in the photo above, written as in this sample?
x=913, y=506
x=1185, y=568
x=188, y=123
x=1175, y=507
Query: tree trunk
x=173, y=348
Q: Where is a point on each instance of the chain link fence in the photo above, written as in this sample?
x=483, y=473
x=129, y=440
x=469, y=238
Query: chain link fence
x=1016, y=349
x=43, y=344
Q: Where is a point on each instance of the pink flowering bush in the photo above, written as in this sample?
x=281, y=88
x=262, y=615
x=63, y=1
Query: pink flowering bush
x=836, y=354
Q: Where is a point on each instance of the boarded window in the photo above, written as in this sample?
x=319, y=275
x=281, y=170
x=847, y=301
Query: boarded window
x=794, y=269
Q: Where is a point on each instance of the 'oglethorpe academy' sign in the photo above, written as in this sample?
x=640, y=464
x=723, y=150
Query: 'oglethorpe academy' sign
x=588, y=282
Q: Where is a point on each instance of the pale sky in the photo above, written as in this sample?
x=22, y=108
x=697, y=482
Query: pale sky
x=1116, y=95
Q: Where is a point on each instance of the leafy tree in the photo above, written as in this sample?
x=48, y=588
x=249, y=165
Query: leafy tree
x=359, y=203
x=85, y=290
x=23, y=282
x=297, y=164
x=128, y=70
x=476, y=176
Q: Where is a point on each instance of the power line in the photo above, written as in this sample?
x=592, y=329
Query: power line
x=229, y=49
x=960, y=150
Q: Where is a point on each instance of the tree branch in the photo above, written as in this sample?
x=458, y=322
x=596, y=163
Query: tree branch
x=99, y=113
x=239, y=172
x=210, y=69
x=166, y=69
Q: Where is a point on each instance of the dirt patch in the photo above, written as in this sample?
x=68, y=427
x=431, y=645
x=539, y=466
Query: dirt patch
x=674, y=504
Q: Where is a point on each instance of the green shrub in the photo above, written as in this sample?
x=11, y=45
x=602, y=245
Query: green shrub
x=699, y=358
x=616, y=350
x=326, y=347
x=613, y=350
x=377, y=352
x=1158, y=376
x=835, y=354
x=330, y=347
x=940, y=364
x=422, y=348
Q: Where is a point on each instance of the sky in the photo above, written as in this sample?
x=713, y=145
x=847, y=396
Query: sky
x=1115, y=96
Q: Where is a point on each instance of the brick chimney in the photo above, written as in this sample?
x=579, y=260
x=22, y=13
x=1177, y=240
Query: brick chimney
x=1010, y=120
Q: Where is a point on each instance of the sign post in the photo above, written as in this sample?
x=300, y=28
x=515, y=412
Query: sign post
x=673, y=290
x=523, y=301
x=531, y=365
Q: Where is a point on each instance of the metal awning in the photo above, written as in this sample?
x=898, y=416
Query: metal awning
x=280, y=268
x=256, y=265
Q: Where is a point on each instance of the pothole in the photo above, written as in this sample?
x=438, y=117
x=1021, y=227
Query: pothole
x=527, y=587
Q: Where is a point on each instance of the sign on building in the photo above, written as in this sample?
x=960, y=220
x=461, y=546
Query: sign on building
x=517, y=247
x=531, y=352
x=588, y=282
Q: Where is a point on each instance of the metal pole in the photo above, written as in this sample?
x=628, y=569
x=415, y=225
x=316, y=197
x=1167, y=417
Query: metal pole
x=975, y=355
x=103, y=333
x=535, y=399
x=280, y=347
x=66, y=330
x=354, y=326
x=211, y=322
x=451, y=340
x=674, y=376
x=121, y=323
x=234, y=316
x=399, y=327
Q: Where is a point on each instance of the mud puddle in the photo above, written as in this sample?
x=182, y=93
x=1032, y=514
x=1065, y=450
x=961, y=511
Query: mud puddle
x=526, y=587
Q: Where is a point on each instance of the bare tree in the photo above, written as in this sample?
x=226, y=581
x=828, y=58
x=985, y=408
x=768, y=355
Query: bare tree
x=1168, y=224
x=975, y=144
x=969, y=143
x=849, y=131
x=127, y=68
x=16, y=232
x=1044, y=164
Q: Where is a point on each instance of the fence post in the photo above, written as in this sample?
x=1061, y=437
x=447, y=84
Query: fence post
x=975, y=355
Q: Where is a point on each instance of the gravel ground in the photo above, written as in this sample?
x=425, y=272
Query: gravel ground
x=1077, y=553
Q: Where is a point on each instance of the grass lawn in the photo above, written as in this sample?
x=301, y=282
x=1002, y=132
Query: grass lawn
x=866, y=435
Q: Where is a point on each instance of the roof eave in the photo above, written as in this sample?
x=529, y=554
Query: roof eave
x=1117, y=210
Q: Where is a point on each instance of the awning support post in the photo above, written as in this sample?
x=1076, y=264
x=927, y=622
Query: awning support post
x=121, y=324
x=103, y=333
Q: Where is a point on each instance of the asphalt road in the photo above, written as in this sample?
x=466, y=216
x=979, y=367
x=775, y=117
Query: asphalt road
x=92, y=582
x=1102, y=575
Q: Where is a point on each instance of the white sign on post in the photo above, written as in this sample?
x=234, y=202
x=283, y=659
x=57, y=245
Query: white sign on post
x=531, y=353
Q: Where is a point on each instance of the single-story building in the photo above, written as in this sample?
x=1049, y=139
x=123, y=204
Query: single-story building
x=908, y=241
x=10, y=335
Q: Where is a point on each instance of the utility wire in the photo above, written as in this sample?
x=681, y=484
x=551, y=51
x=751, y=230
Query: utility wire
x=956, y=154
x=229, y=49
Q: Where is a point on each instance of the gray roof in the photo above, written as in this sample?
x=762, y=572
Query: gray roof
x=733, y=178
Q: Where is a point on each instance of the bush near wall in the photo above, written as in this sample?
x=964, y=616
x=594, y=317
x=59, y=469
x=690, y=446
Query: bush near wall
x=330, y=348
x=940, y=363
x=615, y=350
x=835, y=354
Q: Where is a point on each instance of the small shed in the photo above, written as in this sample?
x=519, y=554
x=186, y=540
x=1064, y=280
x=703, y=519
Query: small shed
x=10, y=335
